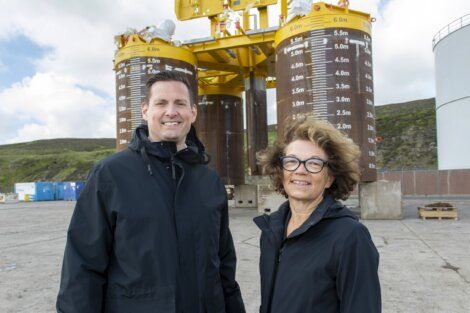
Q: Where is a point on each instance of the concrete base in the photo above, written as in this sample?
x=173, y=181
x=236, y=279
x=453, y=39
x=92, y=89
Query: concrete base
x=246, y=196
x=381, y=200
x=269, y=200
x=257, y=180
x=9, y=198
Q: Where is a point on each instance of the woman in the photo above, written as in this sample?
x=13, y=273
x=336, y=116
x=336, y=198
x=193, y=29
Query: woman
x=315, y=255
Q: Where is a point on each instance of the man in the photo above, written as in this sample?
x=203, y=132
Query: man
x=150, y=230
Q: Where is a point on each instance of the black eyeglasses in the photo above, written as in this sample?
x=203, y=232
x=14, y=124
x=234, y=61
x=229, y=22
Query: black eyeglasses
x=312, y=165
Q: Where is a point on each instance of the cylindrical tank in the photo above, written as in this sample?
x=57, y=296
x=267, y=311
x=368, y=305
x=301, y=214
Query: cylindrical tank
x=135, y=62
x=219, y=125
x=324, y=69
x=452, y=64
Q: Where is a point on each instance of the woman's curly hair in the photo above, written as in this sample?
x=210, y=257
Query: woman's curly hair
x=343, y=155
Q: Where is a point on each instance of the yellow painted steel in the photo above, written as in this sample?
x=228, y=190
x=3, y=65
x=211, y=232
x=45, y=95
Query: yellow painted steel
x=190, y=9
x=263, y=17
x=235, y=53
x=214, y=23
x=246, y=20
x=232, y=42
x=220, y=90
x=325, y=16
x=135, y=46
x=225, y=59
x=270, y=82
x=203, y=74
x=241, y=57
x=283, y=10
x=216, y=78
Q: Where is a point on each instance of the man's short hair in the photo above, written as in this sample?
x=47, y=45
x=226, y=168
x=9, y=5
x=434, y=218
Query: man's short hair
x=165, y=76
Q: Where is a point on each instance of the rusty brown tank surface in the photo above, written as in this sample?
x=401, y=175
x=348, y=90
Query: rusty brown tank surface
x=324, y=69
x=219, y=125
x=135, y=63
x=256, y=119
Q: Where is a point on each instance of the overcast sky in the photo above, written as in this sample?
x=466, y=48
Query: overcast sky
x=56, y=70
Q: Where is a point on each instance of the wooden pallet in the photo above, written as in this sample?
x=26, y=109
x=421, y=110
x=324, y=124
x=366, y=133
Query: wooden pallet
x=438, y=213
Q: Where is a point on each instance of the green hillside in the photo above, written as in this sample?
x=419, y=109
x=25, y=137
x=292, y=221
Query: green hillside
x=408, y=132
x=50, y=160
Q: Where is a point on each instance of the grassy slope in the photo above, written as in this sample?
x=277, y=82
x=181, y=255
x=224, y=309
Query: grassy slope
x=408, y=132
x=51, y=160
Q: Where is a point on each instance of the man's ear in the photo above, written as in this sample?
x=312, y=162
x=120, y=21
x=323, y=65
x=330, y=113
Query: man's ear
x=194, y=112
x=144, y=108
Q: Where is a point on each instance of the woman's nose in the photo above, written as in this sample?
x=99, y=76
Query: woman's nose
x=301, y=169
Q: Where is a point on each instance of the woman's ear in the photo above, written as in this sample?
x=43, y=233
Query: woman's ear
x=330, y=181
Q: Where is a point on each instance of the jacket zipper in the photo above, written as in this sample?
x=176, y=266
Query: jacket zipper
x=276, y=268
x=276, y=264
x=177, y=185
x=172, y=162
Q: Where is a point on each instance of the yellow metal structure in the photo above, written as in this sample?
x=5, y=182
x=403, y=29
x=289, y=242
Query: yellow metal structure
x=236, y=54
x=135, y=61
x=324, y=70
x=218, y=80
x=331, y=17
x=134, y=46
x=189, y=9
x=240, y=53
x=216, y=90
x=225, y=58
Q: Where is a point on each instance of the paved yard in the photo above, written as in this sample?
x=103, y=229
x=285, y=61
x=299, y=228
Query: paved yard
x=425, y=265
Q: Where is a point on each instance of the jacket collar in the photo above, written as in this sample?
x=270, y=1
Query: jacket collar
x=275, y=223
x=194, y=153
x=166, y=151
x=317, y=215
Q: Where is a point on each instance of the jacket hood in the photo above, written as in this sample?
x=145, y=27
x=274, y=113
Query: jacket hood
x=193, y=154
x=327, y=209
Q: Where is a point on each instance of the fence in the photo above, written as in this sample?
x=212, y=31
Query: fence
x=434, y=182
x=450, y=28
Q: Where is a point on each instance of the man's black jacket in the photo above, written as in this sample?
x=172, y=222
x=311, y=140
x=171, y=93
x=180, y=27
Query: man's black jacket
x=150, y=234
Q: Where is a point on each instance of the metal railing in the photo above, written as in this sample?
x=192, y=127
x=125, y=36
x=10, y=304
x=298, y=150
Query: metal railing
x=450, y=28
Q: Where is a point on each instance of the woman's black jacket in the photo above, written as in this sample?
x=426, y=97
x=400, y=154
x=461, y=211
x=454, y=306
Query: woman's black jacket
x=327, y=265
x=150, y=234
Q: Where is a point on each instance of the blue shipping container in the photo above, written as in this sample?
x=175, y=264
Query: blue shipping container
x=79, y=187
x=59, y=190
x=72, y=190
x=44, y=191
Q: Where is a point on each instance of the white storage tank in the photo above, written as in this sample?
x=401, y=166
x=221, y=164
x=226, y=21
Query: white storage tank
x=451, y=47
